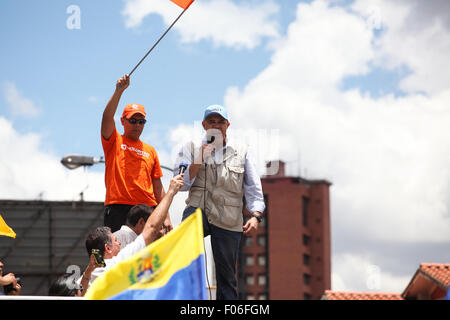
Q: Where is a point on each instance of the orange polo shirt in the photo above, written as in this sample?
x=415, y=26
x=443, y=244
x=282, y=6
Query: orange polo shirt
x=130, y=167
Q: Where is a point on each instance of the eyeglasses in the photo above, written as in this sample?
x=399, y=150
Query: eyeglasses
x=134, y=121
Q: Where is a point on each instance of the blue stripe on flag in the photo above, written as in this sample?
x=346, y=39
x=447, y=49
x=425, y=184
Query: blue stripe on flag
x=186, y=284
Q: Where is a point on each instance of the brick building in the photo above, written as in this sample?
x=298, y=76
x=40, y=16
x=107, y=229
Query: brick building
x=290, y=256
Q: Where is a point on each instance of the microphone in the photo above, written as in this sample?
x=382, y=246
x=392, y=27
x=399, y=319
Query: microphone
x=182, y=168
x=210, y=139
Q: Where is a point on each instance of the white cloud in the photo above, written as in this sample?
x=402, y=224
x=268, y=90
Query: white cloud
x=223, y=22
x=361, y=273
x=379, y=153
x=415, y=35
x=27, y=172
x=387, y=157
x=18, y=104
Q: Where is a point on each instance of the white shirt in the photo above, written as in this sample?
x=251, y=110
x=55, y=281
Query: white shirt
x=252, y=182
x=132, y=248
x=125, y=235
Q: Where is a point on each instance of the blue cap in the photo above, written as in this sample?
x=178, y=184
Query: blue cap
x=216, y=109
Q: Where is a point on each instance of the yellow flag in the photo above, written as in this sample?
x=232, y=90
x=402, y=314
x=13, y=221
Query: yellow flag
x=171, y=268
x=5, y=230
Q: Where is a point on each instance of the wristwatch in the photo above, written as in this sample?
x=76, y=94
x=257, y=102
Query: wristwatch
x=257, y=216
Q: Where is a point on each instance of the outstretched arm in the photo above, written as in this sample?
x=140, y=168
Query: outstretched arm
x=108, y=125
x=159, y=215
x=159, y=191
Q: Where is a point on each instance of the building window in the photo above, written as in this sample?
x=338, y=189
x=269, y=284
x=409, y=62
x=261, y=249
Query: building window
x=306, y=240
x=262, y=223
x=250, y=296
x=306, y=259
x=262, y=241
x=262, y=260
x=249, y=241
x=262, y=280
x=306, y=278
x=305, y=204
x=250, y=279
x=249, y=260
x=262, y=296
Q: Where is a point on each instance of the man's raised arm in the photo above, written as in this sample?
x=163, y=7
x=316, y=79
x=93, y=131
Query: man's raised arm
x=108, y=125
x=156, y=219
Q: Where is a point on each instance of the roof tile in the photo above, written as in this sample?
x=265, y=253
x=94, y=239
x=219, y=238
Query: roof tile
x=439, y=271
x=340, y=295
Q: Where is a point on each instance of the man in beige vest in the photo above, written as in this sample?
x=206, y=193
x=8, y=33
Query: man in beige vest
x=219, y=175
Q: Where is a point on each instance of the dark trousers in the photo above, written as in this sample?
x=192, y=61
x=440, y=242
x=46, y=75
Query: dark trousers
x=225, y=248
x=115, y=216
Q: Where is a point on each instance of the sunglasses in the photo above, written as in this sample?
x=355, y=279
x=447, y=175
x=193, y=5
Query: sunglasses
x=134, y=121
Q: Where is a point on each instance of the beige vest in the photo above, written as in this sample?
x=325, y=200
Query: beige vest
x=224, y=188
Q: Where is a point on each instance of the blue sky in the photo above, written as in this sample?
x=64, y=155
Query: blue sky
x=355, y=92
x=70, y=74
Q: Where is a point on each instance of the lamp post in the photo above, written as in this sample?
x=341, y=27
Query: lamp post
x=74, y=161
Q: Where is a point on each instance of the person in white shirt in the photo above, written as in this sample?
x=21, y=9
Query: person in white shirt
x=102, y=239
x=136, y=218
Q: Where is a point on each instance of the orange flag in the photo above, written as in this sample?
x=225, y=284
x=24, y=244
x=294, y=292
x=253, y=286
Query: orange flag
x=183, y=3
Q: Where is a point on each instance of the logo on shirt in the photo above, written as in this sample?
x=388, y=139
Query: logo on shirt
x=133, y=149
x=147, y=268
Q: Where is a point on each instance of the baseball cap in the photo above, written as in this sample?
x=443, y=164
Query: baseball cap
x=133, y=108
x=216, y=109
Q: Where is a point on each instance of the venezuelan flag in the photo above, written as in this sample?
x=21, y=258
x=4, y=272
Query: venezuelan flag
x=171, y=268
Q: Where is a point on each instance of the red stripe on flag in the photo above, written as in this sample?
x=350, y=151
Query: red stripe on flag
x=183, y=3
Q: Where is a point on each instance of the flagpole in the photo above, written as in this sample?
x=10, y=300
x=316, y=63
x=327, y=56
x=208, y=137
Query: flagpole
x=168, y=29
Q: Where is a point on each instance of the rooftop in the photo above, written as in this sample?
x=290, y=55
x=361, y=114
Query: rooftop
x=438, y=271
x=430, y=282
x=340, y=295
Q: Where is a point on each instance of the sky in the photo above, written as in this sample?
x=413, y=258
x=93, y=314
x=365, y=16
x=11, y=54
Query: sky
x=355, y=92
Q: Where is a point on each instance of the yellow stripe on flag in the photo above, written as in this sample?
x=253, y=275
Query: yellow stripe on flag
x=153, y=266
x=5, y=230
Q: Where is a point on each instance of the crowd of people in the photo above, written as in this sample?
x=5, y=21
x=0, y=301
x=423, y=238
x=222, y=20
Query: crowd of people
x=219, y=174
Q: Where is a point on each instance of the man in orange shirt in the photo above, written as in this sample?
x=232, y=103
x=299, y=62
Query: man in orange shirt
x=132, y=170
